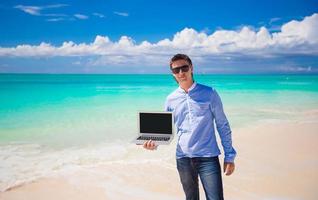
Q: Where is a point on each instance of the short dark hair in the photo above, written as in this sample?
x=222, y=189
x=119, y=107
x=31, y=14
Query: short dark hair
x=180, y=56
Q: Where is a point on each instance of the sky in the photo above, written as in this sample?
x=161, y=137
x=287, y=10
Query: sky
x=139, y=36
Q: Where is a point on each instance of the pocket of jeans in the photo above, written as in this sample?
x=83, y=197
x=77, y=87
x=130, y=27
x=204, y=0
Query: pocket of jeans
x=183, y=164
x=210, y=165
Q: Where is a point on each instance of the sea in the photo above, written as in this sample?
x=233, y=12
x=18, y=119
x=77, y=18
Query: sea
x=52, y=123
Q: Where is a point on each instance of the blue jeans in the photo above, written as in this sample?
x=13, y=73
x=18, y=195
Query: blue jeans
x=209, y=170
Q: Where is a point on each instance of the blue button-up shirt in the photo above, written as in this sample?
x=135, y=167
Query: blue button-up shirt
x=195, y=114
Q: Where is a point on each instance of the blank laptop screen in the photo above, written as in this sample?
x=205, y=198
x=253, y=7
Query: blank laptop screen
x=158, y=123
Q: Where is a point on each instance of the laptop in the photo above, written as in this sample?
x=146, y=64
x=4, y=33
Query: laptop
x=155, y=126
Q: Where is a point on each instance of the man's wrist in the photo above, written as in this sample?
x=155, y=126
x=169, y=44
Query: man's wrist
x=229, y=160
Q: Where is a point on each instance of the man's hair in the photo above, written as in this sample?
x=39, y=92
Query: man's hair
x=180, y=56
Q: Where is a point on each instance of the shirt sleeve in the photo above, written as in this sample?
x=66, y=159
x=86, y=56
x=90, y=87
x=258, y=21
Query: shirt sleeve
x=166, y=106
x=223, y=127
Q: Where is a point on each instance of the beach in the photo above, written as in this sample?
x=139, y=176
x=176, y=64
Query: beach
x=75, y=142
x=277, y=163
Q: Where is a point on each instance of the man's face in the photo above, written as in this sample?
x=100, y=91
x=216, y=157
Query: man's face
x=179, y=70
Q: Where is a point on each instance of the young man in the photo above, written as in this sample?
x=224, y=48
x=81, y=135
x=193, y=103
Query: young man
x=196, y=108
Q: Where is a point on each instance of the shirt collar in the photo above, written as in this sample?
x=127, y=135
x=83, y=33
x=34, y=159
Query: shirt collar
x=191, y=88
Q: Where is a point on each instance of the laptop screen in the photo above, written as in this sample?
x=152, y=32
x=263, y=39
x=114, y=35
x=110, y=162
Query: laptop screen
x=157, y=123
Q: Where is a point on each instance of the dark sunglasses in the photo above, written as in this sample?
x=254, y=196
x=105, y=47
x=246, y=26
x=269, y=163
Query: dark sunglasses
x=183, y=68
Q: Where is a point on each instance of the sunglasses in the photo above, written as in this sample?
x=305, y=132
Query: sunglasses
x=183, y=68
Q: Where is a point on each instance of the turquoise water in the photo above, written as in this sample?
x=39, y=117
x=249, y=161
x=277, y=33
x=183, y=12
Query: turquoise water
x=51, y=124
x=66, y=110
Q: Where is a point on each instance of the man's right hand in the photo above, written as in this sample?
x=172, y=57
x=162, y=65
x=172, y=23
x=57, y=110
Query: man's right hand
x=150, y=145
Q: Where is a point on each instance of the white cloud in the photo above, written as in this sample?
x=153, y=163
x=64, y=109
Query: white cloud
x=274, y=19
x=54, y=15
x=296, y=69
x=294, y=38
x=99, y=15
x=32, y=10
x=124, y=14
x=55, y=6
x=80, y=16
x=36, y=10
x=55, y=19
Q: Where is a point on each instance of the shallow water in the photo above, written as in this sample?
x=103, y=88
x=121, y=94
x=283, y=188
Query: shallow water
x=49, y=123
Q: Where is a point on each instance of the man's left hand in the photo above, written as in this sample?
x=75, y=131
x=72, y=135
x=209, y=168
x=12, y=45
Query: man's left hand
x=228, y=168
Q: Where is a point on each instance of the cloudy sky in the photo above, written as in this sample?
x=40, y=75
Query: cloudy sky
x=139, y=36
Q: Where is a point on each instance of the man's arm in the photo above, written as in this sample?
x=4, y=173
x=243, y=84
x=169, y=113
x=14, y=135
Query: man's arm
x=224, y=130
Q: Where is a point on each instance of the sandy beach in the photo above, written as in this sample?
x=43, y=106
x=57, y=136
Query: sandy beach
x=275, y=160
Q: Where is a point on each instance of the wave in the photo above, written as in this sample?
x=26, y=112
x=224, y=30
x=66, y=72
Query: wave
x=23, y=163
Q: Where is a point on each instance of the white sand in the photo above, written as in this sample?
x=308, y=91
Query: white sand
x=275, y=161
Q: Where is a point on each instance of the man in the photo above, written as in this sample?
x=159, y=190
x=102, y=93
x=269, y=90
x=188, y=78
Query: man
x=196, y=108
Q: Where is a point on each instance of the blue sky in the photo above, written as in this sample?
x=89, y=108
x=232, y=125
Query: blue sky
x=140, y=36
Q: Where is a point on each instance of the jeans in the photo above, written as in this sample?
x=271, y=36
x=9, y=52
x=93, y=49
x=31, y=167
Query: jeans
x=209, y=170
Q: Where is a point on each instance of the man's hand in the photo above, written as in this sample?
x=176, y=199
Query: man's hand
x=150, y=145
x=228, y=168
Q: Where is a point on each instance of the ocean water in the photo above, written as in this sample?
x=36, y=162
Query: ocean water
x=50, y=123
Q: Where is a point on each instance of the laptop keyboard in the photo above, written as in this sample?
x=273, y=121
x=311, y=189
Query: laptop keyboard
x=153, y=138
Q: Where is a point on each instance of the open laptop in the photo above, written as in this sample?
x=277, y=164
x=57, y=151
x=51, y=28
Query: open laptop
x=157, y=126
